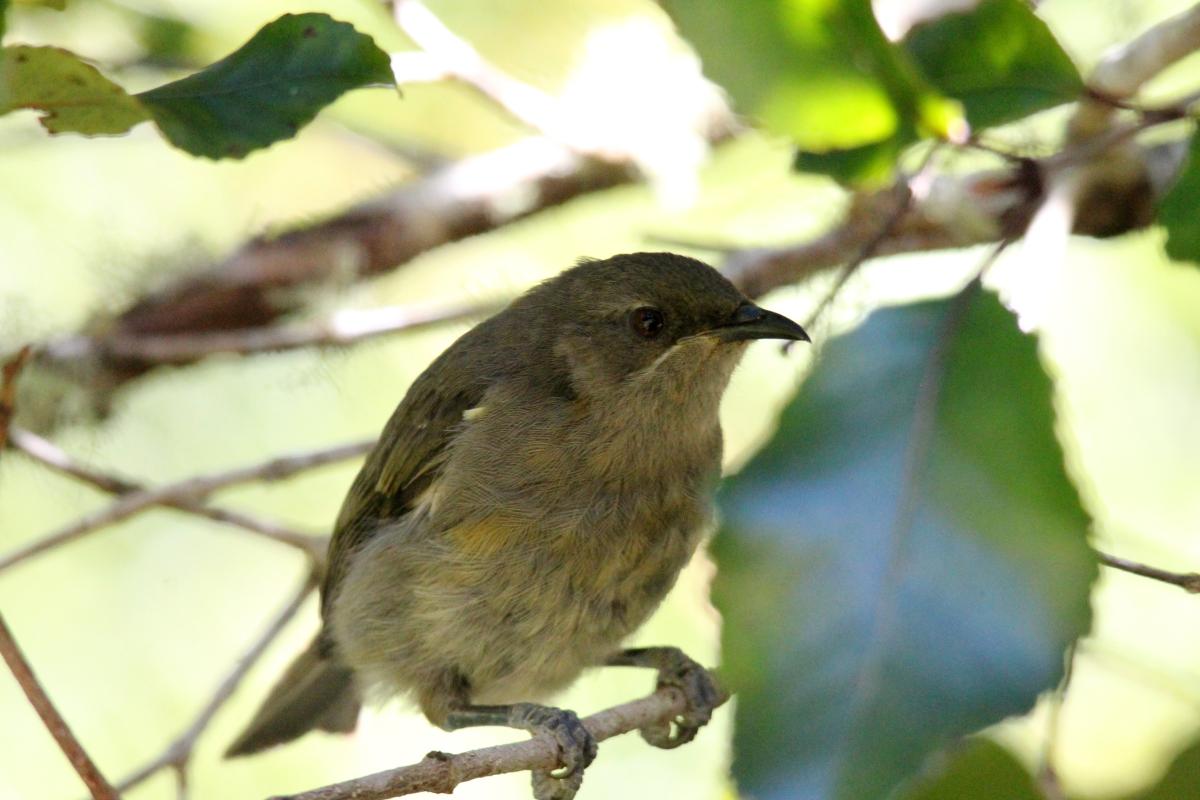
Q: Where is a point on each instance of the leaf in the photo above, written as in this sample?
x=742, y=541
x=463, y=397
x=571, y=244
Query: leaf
x=981, y=770
x=906, y=561
x=72, y=95
x=269, y=88
x=820, y=72
x=1178, y=210
x=998, y=58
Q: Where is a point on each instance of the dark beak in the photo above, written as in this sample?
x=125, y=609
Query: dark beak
x=751, y=322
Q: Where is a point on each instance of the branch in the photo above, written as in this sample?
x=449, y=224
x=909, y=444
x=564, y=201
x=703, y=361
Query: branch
x=178, y=753
x=50, y=455
x=257, y=285
x=1188, y=581
x=190, y=489
x=342, y=328
x=441, y=772
x=960, y=210
x=100, y=788
x=8, y=390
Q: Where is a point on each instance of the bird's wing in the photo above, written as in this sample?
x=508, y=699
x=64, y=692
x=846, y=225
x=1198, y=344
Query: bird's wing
x=407, y=459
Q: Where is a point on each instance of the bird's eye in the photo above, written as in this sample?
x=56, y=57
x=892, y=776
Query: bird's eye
x=646, y=322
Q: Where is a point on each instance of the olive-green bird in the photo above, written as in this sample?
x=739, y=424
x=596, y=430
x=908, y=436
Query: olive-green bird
x=529, y=504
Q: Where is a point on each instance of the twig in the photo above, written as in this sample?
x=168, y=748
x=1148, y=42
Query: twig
x=189, y=489
x=441, y=772
x=1188, y=581
x=55, y=458
x=99, y=787
x=8, y=390
x=342, y=328
x=178, y=753
x=96, y=783
x=1047, y=776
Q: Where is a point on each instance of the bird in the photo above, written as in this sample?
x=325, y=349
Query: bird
x=529, y=504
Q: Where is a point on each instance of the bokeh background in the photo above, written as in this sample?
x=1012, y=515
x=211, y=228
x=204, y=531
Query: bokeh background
x=131, y=629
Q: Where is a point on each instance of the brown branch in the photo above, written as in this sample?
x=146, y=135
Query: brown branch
x=441, y=772
x=1188, y=581
x=961, y=210
x=258, y=284
x=100, y=788
x=50, y=455
x=190, y=489
x=8, y=390
x=178, y=753
x=342, y=328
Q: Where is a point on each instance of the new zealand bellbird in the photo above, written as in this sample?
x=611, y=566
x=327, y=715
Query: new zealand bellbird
x=529, y=504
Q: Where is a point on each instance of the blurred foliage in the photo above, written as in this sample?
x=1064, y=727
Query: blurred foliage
x=937, y=602
x=824, y=74
x=132, y=628
x=1179, y=211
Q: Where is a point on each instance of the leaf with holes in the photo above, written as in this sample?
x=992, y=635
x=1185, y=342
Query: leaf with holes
x=906, y=561
x=268, y=88
x=70, y=94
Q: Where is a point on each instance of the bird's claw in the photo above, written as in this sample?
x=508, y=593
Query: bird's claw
x=576, y=748
x=699, y=689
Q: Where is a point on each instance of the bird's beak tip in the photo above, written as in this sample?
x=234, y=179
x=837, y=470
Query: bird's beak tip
x=750, y=321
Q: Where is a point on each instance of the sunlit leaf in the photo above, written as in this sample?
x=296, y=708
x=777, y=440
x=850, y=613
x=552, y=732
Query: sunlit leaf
x=70, y=94
x=998, y=58
x=906, y=561
x=269, y=88
x=820, y=72
x=1178, y=210
x=980, y=770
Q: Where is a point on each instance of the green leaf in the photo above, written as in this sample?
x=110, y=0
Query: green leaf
x=999, y=59
x=269, y=88
x=1178, y=210
x=981, y=770
x=72, y=95
x=820, y=72
x=906, y=561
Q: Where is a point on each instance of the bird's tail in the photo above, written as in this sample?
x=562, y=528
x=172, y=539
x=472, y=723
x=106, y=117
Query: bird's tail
x=315, y=692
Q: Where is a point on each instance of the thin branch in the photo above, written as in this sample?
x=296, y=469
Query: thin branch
x=192, y=489
x=50, y=455
x=342, y=328
x=1188, y=581
x=178, y=753
x=96, y=783
x=99, y=787
x=1047, y=775
x=8, y=390
x=441, y=772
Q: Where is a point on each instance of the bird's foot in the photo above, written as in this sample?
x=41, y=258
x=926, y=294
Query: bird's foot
x=697, y=684
x=576, y=748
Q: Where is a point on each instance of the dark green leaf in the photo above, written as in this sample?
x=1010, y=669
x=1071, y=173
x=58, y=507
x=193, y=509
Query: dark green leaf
x=906, y=561
x=72, y=96
x=267, y=89
x=999, y=59
x=871, y=163
x=1179, y=211
x=980, y=770
x=819, y=71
